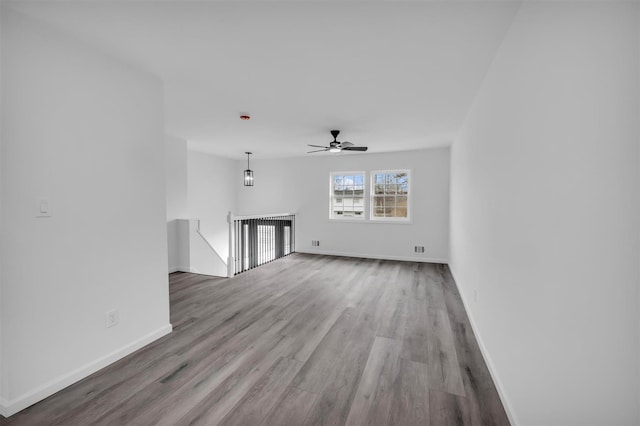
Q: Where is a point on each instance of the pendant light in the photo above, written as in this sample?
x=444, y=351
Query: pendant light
x=248, y=174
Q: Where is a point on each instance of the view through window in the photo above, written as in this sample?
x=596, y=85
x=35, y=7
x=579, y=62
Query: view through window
x=390, y=195
x=347, y=195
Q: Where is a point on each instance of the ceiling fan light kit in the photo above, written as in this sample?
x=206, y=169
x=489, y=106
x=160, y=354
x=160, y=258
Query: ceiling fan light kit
x=335, y=146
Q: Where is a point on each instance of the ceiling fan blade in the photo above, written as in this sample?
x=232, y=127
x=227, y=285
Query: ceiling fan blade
x=354, y=148
x=346, y=144
x=318, y=150
x=318, y=146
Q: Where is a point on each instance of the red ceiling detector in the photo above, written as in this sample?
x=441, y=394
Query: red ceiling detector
x=245, y=117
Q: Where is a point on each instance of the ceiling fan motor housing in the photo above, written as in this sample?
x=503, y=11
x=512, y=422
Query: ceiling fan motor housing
x=335, y=146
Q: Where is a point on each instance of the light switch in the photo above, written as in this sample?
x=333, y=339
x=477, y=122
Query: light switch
x=44, y=208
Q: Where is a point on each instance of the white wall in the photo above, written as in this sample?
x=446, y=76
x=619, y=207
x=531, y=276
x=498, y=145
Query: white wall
x=3, y=371
x=177, y=201
x=301, y=185
x=176, y=178
x=199, y=196
x=86, y=131
x=201, y=257
x=544, y=223
x=212, y=195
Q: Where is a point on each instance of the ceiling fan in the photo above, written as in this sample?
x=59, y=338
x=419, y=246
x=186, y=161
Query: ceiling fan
x=336, y=146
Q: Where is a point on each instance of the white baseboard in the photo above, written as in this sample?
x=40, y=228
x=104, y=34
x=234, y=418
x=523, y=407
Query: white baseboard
x=9, y=408
x=485, y=354
x=3, y=407
x=376, y=256
x=194, y=271
x=179, y=269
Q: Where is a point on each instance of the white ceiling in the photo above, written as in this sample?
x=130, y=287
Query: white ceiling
x=390, y=75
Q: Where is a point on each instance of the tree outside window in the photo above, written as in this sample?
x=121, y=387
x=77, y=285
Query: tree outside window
x=390, y=195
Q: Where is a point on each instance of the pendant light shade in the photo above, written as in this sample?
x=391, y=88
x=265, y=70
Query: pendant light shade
x=248, y=174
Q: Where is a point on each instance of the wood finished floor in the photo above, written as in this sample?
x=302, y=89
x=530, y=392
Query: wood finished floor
x=305, y=340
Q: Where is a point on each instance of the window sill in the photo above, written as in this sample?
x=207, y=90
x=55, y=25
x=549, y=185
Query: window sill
x=363, y=220
x=392, y=222
x=376, y=221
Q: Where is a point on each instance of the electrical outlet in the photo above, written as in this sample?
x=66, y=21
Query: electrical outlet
x=315, y=243
x=418, y=249
x=43, y=208
x=112, y=318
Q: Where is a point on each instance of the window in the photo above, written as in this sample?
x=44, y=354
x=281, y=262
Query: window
x=347, y=195
x=390, y=193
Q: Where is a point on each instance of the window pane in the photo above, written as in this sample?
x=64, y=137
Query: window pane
x=391, y=187
x=389, y=179
x=379, y=184
x=389, y=206
x=358, y=183
x=390, y=195
x=348, y=183
x=347, y=200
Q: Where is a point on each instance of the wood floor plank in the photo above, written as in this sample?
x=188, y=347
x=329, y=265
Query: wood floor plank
x=334, y=401
x=392, y=319
x=416, y=336
x=453, y=301
x=315, y=371
x=432, y=281
x=480, y=390
x=479, y=387
x=216, y=399
x=307, y=338
x=444, y=369
x=418, y=288
x=410, y=404
x=261, y=398
x=372, y=402
x=304, y=340
x=187, y=388
x=291, y=409
x=446, y=409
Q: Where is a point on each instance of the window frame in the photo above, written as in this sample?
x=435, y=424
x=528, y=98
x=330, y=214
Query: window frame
x=354, y=218
x=372, y=197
